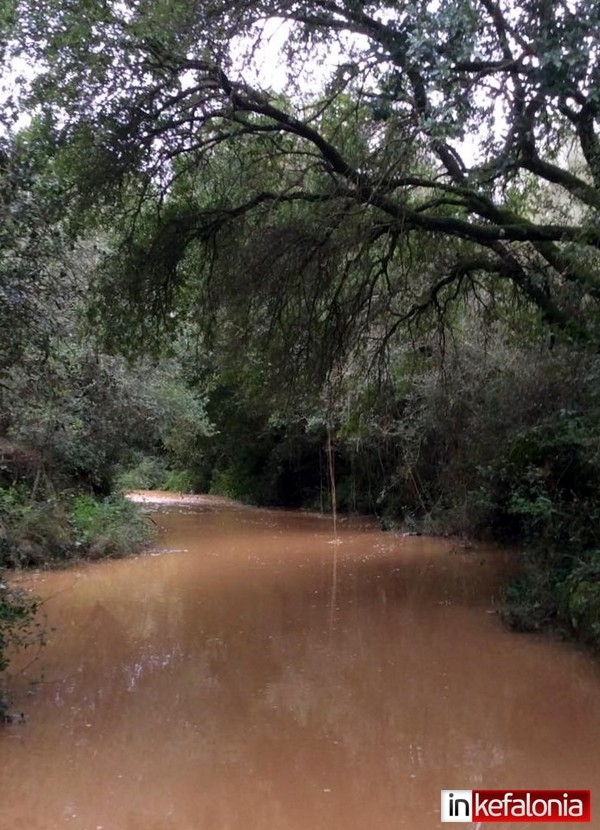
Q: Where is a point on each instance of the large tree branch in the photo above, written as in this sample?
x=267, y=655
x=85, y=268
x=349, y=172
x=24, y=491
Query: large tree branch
x=583, y=122
x=491, y=67
x=504, y=266
x=256, y=112
x=586, y=193
x=244, y=99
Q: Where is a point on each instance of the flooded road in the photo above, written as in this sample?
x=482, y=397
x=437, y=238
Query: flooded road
x=222, y=683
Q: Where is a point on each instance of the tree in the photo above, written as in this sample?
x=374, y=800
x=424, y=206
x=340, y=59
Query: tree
x=433, y=139
x=34, y=253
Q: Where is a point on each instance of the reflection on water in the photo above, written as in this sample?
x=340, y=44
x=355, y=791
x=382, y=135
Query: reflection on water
x=212, y=685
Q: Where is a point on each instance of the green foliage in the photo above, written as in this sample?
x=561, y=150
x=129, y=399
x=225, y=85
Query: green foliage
x=544, y=484
x=31, y=533
x=582, y=598
x=305, y=224
x=531, y=600
x=18, y=628
x=178, y=481
x=63, y=527
x=111, y=527
x=87, y=414
x=35, y=253
x=154, y=473
x=145, y=473
x=182, y=419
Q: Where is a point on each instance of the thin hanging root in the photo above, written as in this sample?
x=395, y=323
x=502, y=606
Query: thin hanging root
x=331, y=470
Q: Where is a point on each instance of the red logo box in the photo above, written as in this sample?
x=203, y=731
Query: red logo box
x=573, y=806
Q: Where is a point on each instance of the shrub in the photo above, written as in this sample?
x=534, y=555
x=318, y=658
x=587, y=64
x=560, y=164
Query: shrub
x=109, y=527
x=18, y=627
x=582, y=598
x=31, y=532
x=178, y=481
x=148, y=473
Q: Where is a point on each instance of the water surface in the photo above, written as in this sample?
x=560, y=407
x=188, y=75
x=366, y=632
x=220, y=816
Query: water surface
x=223, y=682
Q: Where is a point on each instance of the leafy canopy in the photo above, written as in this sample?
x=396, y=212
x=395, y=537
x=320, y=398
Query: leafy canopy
x=447, y=150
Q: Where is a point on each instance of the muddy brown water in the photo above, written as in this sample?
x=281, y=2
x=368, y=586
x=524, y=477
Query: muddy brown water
x=221, y=682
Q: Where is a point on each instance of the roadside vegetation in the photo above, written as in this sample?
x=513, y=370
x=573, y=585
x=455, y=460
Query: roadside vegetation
x=206, y=280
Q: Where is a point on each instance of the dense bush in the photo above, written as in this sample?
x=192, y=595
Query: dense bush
x=32, y=532
x=17, y=626
x=143, y=472
x=109, y=527
x=582, y=598
x=66, y=526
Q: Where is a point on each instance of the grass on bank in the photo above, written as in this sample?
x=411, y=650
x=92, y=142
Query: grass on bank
x=67, y=526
